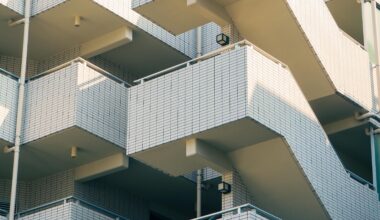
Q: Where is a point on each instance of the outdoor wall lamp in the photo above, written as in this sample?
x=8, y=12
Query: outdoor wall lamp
x=224, y=187
x=222, y=39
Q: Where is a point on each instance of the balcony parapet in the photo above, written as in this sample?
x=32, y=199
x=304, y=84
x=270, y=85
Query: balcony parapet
x=76, y=94
x=70, y=207
x=234, y=103
x=208, y=56
x=8, y=105
x=243, y=212
x=86, y=63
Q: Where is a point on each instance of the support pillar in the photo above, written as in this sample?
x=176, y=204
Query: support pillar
x=239, y=194
x=231, y=31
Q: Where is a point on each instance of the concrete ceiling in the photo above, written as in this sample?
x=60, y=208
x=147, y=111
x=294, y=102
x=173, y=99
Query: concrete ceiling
x=11, y=37
x=273, y=177
x=262, y=22
x=145, y=55
x=51, y=154
x=354, y=149
x=161, y=12
x=348, y=16
x=262, y=158
x=224, y=138
x=177, y=193
x=334, y=107
x=57, y=25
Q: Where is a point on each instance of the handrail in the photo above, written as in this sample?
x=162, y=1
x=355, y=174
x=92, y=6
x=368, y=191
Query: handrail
x=210, y=55
x=7, y=73
x=239, y=209
x=67, y=200
x=352, y=39
x=360, y=179
x=88, y=64
x=3, y=212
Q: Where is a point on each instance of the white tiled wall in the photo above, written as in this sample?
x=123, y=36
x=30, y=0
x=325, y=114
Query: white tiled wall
x=238, y=84
x=13, y=65
x=187, y=101
x=113, y=198
x=39, y=6
x=76, y=95
x=15, y=5
x=248, y=215
x=209, y=32
x=137, y=3
x=8, y=107
x=66, y=211
x=49, y=188
x=275, y=100
x=239, y=194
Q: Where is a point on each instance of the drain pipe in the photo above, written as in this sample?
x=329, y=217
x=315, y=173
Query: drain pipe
x=199, y=172
x=376, y=137
x=376, y=45
x=20, y=108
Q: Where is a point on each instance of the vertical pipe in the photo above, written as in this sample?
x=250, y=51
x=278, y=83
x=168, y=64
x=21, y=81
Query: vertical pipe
x=199, y=41
x=376, y=139
x=199, y=172
x=376, y=47
x=199, y=192
x=373, y=160
x=20, y=108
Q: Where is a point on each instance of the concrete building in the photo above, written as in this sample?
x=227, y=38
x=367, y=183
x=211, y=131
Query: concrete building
x=189, y=109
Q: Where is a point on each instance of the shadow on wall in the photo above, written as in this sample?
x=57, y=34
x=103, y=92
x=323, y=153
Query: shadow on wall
x=286, y=111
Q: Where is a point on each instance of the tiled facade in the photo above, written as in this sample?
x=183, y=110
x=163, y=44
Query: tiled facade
x=15, y=5
x=8, y=105
x=241, y=83
x=248, y=84
x=76, y=96
x=187, y=101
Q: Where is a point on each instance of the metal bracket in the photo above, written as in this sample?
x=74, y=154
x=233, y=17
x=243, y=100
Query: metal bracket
x=7, y=149
x=13, y=23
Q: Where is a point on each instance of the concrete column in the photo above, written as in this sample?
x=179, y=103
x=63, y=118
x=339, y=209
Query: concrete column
x=231, y=31
x=239, y=194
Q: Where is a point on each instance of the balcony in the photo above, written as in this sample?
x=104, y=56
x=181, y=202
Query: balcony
x=242, y=108
x=352, y=24
x=8, y=105
x=68, y=208
x=75, y=104
x=331, y=69
x=243, y=212
x=8, y=110
x=110, y=29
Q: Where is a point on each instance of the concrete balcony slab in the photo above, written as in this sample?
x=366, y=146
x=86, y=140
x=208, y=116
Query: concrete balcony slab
x=248, y=107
